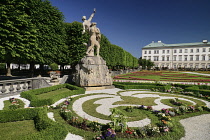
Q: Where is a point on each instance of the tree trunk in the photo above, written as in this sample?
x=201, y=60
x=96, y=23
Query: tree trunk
x=8, y=70
x=32, y=65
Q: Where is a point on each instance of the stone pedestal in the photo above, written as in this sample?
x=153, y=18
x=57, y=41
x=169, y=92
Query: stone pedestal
x=92, y=71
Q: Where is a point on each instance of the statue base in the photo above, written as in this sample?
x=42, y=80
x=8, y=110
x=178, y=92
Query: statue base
x=92, y=71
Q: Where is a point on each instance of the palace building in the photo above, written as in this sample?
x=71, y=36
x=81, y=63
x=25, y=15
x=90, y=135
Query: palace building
x=183, y=55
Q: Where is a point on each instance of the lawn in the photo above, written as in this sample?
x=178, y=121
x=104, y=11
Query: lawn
x=52, y=93
x=16, y=130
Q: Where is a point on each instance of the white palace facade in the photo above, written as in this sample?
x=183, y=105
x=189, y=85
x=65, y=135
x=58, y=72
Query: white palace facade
x=173, y=56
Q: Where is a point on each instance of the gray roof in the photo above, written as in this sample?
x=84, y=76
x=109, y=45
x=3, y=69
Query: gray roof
x=161, y=44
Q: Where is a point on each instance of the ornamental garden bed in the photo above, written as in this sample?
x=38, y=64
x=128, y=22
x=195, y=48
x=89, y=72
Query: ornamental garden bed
x=163, y=76
x=165, y=122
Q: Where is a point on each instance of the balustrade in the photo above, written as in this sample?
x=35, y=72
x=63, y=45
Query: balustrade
x=9, y=87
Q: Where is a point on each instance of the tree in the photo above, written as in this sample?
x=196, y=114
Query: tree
x=32, y=31
x=18, y=35
x=51, y=34
x=74, y=41
x=145, y=63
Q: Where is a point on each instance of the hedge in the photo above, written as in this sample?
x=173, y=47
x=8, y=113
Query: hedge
x=31, y=94
x=130, y=85
x=47, y=128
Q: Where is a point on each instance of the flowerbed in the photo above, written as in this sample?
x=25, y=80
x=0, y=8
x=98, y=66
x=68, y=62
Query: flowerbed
x=163, y=76
x=118, y=128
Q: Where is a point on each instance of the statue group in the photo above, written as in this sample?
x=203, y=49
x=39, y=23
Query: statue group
x=92, y=71
x=95, y=35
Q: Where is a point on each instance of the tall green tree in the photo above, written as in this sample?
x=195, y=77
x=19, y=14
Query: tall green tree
x=51, y=33
x=74, y=41
x=146, y=63
x=18, y=35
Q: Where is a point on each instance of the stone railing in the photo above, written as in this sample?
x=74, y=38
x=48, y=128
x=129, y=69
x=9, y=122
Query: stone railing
x=15, y=86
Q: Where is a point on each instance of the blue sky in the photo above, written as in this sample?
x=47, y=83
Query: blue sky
x=133, y=24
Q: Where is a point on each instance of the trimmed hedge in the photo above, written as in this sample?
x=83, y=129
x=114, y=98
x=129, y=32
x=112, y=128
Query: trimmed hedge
x=129, y=85
x=202, y=89
x=31, y=94
x=47, y=128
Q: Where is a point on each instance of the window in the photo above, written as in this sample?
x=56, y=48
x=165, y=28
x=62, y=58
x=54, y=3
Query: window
x=204, y=49
x=167, y=58
x=174, y=51
x=203, y=57
x=156, y=51
x=145, y=57
x=168, y=51
x=149, y=57
x=191, y=57
x=185, y=50
x=197, y=58
x=191, y=50
x=145, y=52
x=155, y=58
x=163, y=51
x=174, y=66
x=163, y=58
x=185, y=58
x=149, y=52
x=209, y=49
x=209, y=57
x=174, y=57
x=180, y=58
x=197, y=50
x=185, y=66
x=180, y=50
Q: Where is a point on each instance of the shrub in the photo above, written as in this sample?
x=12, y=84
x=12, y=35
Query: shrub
x=54, y=66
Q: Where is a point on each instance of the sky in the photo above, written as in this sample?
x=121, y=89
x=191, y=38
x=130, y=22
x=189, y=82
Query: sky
x=133, y=24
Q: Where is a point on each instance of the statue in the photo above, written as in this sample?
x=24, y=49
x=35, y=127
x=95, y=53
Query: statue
x=91, y=71
x=95, y=35
x=86, y=23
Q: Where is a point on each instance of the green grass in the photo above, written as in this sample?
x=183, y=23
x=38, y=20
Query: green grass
x=16, y=130
x=147, y=101
x=167, y=102
x=90, y=108
x=52, y=93
x=135, y=115
x=7, y=103
x=197, y=101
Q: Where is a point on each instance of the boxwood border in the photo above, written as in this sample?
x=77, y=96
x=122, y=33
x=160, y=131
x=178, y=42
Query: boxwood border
x=31, y=94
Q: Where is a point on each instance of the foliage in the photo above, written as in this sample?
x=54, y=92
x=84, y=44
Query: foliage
x=54, y=66
x=74, y=41
x=145, y=63
x=118, y=119
x=2, y=66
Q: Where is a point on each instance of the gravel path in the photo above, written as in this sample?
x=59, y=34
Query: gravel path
x=197, y=128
